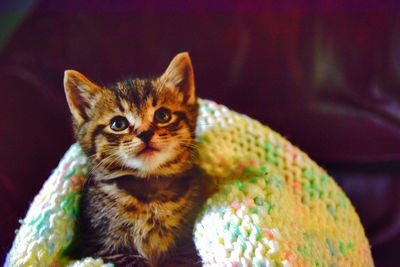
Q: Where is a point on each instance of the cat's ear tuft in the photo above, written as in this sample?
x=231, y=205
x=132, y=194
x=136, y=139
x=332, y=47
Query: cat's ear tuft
x=80, y=93
x=179, y=76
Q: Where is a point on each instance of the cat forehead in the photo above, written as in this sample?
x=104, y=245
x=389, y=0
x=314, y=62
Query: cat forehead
x=135, y=91
x=138, y=93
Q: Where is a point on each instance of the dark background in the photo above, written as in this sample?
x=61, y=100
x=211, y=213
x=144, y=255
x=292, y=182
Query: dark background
x=325, y=74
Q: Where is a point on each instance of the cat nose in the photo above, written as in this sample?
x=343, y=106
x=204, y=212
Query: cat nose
x=145, y=136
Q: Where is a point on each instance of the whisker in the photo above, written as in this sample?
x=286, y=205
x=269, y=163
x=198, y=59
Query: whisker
x=112, y=162
x=208, y=123
x=103, y=161
x=131, y=146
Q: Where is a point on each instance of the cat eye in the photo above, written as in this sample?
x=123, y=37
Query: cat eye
x=162, y=115
x=119, y=123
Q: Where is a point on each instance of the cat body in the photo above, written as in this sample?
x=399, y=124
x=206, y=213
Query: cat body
x=128, y=216
x=143, y=191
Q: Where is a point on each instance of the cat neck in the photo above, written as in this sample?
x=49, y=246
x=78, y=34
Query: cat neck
x=154, y=188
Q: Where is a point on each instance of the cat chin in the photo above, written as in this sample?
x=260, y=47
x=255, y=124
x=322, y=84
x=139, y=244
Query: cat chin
x=147, y=164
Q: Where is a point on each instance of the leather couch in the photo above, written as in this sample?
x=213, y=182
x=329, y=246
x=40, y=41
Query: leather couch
x=324, y=76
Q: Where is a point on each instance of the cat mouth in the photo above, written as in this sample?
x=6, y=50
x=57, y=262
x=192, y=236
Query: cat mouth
x=147, y=150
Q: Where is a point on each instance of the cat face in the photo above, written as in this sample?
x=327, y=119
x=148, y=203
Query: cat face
x=136, y=127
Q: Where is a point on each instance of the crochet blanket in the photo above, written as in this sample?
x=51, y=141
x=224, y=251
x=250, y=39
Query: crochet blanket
x=274, y=207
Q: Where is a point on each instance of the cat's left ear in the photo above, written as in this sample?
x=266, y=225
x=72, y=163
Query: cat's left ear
x=179, y=76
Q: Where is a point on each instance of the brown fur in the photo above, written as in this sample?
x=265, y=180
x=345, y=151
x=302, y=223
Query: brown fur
x=138, y=208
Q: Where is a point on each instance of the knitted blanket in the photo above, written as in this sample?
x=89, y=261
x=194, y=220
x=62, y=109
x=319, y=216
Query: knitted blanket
x=274, y=207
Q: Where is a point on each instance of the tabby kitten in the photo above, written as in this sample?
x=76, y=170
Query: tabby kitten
x=141, y=198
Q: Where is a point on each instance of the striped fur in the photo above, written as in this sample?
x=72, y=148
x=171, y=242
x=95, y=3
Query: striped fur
x=142, y=196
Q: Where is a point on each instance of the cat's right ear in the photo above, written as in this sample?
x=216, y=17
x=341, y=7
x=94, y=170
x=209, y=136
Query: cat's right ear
x=80, y=93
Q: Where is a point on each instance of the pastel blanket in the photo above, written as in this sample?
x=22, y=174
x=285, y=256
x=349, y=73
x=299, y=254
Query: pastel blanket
x=274, y=207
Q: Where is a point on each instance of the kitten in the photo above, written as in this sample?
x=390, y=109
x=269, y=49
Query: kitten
x=142, y=195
